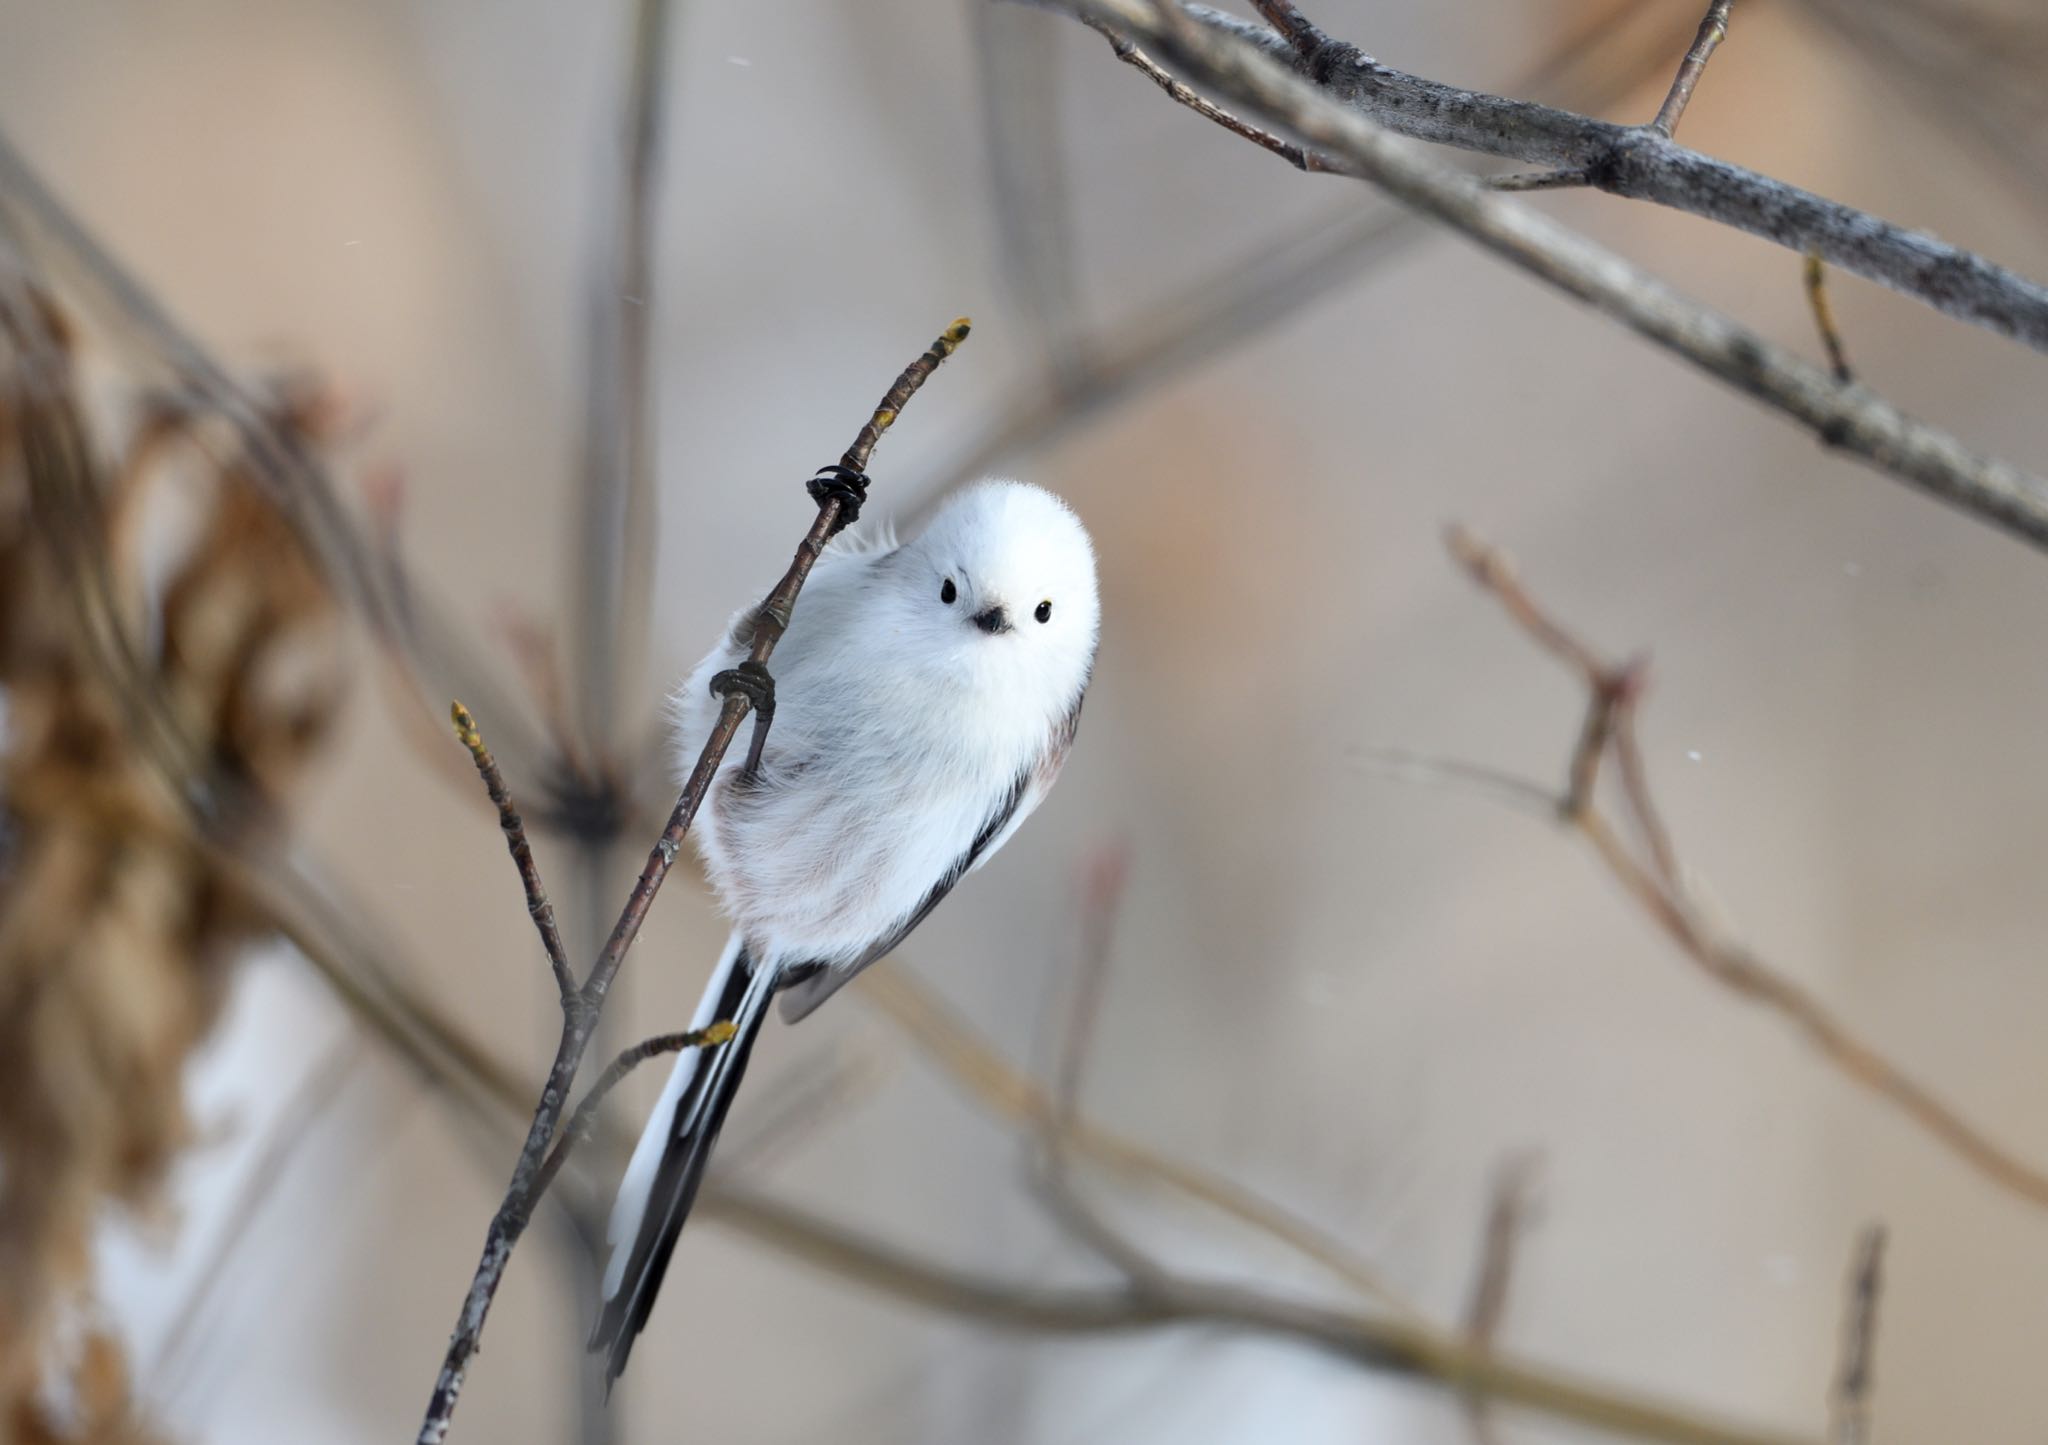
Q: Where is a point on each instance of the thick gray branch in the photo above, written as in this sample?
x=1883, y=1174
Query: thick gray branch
x=1640, y=163
x=1847, y=416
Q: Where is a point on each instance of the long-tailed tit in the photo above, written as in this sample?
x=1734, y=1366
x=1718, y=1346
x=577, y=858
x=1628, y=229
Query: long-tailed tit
x=925, y=697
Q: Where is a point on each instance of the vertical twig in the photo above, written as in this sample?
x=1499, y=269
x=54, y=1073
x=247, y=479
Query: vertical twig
x=614, y=547
x=1824, y=318
x=1713, y=30
x=1507, y=1216
x=1851, y=1423
x=1101, y=892
x=538, y=908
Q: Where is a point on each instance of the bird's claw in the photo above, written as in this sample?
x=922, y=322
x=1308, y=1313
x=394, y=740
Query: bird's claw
x=843, y=485
x=752, y=680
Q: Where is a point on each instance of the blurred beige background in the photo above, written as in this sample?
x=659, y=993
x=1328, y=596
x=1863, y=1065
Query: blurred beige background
x=1354, y=994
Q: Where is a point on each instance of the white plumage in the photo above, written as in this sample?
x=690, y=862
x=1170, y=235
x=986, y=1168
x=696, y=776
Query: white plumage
x=925, y=698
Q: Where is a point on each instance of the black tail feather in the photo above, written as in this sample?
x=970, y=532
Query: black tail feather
x=694, y=1127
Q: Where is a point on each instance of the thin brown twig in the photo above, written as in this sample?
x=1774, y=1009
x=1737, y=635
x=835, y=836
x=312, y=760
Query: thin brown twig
x=1635, y=790
x=949, y=1041
x=466, y=1072
x=1604, y=698
x=1851, y=1400
x=1824, y=317
x=1507, y=1217
x=538, y=908
x=1052, y=1173
x=1128, y=52
x=486, y=1089
x=582, y=1005
x=584, y=1121
x=1713, y=30
x=1658, y=888
x=1495, y=573
x=1103, y=879
x=1403, y=1348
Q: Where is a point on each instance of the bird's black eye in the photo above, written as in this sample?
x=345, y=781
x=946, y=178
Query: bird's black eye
x=1044, y=612
x=948, y=592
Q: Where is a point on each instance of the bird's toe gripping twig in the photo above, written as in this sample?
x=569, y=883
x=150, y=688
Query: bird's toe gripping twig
x=752, y=680
x=841, y=484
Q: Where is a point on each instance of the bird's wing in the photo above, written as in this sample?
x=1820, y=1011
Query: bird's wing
x=1026, y=791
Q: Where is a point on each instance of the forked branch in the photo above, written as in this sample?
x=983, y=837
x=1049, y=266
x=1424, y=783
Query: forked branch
x=1651, y=875
x=1337, y=105
x=582, y=1003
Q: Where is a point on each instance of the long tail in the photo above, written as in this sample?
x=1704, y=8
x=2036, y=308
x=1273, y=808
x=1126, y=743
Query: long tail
x=668, y=1163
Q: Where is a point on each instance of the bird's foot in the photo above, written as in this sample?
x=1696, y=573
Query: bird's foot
x=750, y=679
x=843, y=485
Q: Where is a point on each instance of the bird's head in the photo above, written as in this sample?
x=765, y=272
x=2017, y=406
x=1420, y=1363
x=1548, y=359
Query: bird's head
x=1002, y=582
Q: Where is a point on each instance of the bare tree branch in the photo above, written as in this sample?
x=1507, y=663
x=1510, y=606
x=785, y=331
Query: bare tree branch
x=1373, y=1341
x=1638, y=163
x=1659, y=888
x=1851, y=418
x=1507, y=1217
x=538, y=908
x=582, y=1006
x=439, y=658
x=975, y=1065
x=613, y=561
x=583, y=1122
x=1237, y=300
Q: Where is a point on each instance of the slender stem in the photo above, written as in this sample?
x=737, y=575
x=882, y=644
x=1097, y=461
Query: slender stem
x=615, y=544
x=1132, y=56
x=1713, y=30
x=584, y=1120
x=1851, y=1422
x=538, y=908
x=1658, y=888
x=582, y=1006
x=1816, y=278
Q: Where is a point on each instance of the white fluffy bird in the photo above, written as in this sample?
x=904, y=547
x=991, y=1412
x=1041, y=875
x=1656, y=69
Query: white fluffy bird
x=925, y=698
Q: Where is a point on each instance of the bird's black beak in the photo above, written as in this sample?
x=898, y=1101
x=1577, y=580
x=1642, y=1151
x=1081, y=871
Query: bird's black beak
x=992, y=621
